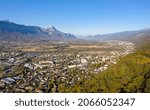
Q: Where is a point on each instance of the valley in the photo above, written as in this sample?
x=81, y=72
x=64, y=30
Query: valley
x=45, y=60
x=53, y=67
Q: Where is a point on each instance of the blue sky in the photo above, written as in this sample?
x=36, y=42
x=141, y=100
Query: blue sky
x=79, y=16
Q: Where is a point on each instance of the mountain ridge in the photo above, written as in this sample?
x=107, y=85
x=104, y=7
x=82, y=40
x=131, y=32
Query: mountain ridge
x=9, y=30
x=132, y=36
x=14, y=32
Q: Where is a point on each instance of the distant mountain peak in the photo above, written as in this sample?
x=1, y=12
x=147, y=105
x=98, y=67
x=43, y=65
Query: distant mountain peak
x=8, y=28
x=52, y=28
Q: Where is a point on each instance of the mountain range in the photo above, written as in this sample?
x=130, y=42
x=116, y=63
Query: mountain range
x=10, y=30
x=136, y=37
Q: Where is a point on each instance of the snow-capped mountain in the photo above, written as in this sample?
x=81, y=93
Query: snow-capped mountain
x=56, y=33
x=9, y=30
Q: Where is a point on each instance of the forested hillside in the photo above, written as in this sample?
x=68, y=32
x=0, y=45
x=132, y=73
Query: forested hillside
x=130, y=74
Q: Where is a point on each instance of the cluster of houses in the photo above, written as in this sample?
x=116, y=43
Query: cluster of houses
x=44, y=72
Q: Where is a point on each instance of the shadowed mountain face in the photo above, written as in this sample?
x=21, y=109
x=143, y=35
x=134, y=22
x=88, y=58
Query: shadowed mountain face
x=11, y=30
x=136, y=37
x=6, y=26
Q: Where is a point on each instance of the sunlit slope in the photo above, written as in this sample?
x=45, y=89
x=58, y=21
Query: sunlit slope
x=130, y=74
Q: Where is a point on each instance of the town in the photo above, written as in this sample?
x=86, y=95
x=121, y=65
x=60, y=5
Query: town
x=53, y=67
